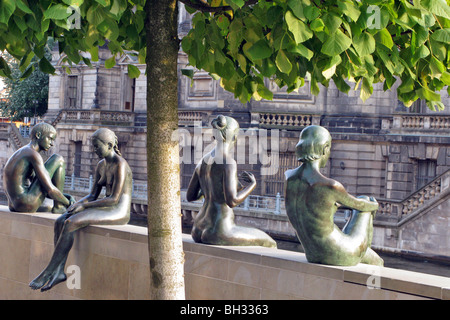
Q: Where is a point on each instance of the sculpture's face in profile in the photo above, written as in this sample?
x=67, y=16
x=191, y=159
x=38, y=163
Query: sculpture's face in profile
x=46, y=140
x=100, y=148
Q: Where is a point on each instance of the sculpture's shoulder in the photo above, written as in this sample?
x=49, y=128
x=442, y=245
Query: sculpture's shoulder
x=292, y=174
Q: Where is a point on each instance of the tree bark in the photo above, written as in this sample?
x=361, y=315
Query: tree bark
x=164, y=208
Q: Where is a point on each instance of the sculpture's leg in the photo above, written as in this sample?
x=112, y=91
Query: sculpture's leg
x=360, y=229
x=57, y=166
x=54, y=272
x=56, y=169
x=371, y=257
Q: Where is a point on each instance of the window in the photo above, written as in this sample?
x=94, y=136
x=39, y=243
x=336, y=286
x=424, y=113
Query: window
x=426, y=171
x=77, y=159
x=72, y=88
x=130, y=88
x=274, y=182
x=419, y=106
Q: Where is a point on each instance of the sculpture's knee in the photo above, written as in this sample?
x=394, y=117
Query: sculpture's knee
x=56, y=159
x=69, y=225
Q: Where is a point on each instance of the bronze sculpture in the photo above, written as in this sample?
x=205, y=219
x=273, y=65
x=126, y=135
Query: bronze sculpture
x=312, y=200
x=215, y=178
x=113, y=173
x=27, y=180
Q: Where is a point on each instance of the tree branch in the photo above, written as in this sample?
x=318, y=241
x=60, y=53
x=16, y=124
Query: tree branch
x=203, y=6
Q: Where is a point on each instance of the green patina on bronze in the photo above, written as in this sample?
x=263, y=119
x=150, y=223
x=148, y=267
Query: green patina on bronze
x=312, y=200
x=114, y=174
x=215, y=178
x=28, y=180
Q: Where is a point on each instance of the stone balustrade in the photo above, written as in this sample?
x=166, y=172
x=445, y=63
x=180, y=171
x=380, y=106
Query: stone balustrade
x=287, y=120
x=190, y=118
x=118, y=118
x=421, y=122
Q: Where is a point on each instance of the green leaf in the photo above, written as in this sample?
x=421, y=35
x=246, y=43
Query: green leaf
x=104, y=3
x=46, y=66
x=445, y=78
x=437, y=67
x=330, y=67
x=7, y=8
x=364, y=44
x=385, y=38
x=57, y=12
x=259, y=50
x=341, y=84
x=109, y=29
x=239, y=3
x=5, y=70
x=441, y=35
x=301, y=50
x=300, y=30
x=437, y=7
x=264, y=92
x=283, y=63
x=24, y=7
x=188, y=73
x=332, y=21
x=427, y=94
x=27, y=73
x=336, y=43
x=366, y=90
x=317, y=25
x=297, y=8
x=118, y=7
x=133, y=71
x=349, y=9
x=110, y=62
x=311, y=12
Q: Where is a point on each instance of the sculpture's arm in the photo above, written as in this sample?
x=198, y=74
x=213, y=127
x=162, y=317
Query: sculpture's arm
x=194, y=191
x=96, y=187
x=351, y=202
x=117, y=189
x=233, y=196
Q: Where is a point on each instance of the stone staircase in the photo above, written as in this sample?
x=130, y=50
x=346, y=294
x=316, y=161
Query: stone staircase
x=396, y=213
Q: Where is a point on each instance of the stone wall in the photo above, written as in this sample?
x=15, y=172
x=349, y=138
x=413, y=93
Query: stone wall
x=113, y=264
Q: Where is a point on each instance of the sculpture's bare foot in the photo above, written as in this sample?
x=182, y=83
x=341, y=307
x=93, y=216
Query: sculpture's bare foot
x=40, y=280
x=58, y=277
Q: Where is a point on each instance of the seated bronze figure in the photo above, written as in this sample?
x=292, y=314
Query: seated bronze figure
x=115, y=175
x=28, y=180
x=312, y=200
x=215, y=178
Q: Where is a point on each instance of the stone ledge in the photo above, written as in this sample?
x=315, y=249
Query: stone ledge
x=211, y=272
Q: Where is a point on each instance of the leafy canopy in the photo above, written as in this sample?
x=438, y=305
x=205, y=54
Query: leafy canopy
x=79, y=26
x=244, y=41
x=364, y=42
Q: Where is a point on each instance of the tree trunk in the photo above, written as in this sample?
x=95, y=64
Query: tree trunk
x=164, y=208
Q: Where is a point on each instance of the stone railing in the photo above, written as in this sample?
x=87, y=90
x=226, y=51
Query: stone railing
x=287, y=120
x=399, y=211
x=190, y=118
x=117, y=118
x=421, y=122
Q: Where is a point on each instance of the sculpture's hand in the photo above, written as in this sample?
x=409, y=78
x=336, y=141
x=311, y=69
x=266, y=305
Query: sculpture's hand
x=372, y=199
x=248, y=177
x=70, y=198
x=75, y=208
